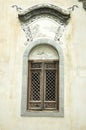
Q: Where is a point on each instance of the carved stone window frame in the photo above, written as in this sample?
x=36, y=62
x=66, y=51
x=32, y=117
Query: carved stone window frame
x=24, y=111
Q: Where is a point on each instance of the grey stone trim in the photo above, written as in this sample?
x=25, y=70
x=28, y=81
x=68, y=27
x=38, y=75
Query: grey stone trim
x=41, y=9
x=24, y=111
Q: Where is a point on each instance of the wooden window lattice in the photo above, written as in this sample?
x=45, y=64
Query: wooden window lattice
x=43, y=85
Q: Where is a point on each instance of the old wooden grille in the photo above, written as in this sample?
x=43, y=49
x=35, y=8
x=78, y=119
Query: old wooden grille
x=43, y=85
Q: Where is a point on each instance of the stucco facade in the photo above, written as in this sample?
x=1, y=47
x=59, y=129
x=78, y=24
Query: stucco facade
x=13, y=44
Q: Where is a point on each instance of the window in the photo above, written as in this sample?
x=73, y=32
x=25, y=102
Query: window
x=43, y=80
x=43, y=85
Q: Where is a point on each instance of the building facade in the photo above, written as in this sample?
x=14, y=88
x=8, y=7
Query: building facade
x=43, y=65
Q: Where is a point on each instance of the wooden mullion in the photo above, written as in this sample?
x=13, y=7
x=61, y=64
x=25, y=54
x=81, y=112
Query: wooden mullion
x=35, y=68
x=32, y=101
x=56, y=95
x=40, y=69
x=50, y=109
x=44, y=84
x=29, y=84
x=50, y=69
x=42, y=87
x=50, y=101
x=35, y=108
x=57, y=85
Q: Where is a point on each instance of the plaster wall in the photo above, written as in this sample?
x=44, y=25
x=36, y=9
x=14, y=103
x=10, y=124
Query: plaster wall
x=12, y=47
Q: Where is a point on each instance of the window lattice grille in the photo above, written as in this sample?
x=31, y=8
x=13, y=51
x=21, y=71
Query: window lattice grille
x=35, y=86
x=50, y=85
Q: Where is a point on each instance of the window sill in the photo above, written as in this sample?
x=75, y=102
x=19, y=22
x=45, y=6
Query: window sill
x=43, y=114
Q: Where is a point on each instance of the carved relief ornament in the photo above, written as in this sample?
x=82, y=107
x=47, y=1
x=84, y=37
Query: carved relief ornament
x=44, y=21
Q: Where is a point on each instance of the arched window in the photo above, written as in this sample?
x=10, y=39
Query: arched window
x=43, y=79
x=43, y=90
x=43, y=71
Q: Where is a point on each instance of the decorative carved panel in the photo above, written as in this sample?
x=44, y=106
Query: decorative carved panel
x=46, y=20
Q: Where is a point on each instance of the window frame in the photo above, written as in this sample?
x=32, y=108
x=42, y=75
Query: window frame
x=24, y=111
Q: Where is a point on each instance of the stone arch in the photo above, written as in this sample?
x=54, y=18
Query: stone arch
x=43, y=52
x=33, y=44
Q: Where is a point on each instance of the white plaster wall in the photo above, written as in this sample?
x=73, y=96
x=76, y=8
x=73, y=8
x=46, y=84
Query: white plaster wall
x=12, y=47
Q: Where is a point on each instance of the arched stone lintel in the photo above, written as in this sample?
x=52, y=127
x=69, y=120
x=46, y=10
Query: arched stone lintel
x=43, y=41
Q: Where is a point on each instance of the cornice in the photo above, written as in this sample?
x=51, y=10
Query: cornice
x=44, y=9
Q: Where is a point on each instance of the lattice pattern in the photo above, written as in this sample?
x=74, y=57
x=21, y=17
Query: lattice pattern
x=35, y=86
x=50, y=85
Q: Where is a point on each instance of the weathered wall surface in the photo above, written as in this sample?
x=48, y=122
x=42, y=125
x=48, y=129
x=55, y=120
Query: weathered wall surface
x=12, y=47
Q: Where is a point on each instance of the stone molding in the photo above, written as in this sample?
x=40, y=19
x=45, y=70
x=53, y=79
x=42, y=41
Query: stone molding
x=41, y=9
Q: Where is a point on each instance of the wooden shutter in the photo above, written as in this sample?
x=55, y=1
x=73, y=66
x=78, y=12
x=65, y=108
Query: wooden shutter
x=50, y=86
x=34, y=96
x=43, y=92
